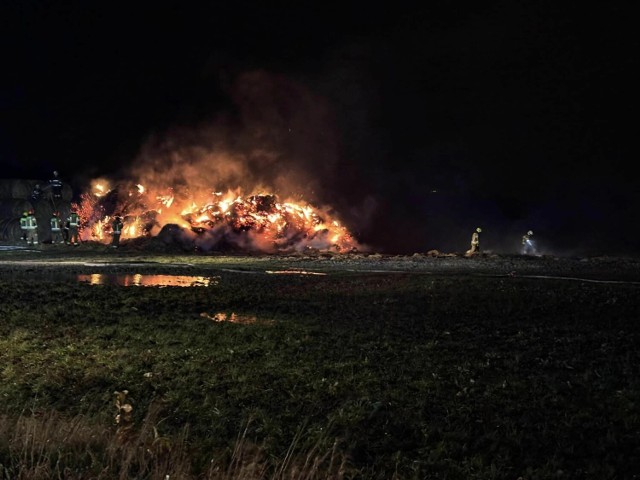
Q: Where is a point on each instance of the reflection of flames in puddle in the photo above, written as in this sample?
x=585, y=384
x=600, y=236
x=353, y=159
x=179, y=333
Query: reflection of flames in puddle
x=294, y=272
x=138, y=280
x=232, y=318
x=212, y=220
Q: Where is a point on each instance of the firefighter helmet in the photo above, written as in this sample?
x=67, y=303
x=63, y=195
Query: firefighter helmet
x=25, y=213
x=529, y=233
x=479, y=230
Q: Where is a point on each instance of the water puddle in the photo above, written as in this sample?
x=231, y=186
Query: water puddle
x=12, y=247
x=139, y=280
x=573, y=279
x=294, y=272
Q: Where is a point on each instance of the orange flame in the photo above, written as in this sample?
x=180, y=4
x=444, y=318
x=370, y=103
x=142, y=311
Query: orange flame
x=253, y=222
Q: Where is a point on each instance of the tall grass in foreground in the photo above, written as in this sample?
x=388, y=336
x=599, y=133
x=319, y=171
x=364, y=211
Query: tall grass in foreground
x=419, y=376
x=45, y=446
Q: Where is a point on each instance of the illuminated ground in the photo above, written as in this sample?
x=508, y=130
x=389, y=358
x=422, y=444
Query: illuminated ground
x=95, y=257
x=419, y=366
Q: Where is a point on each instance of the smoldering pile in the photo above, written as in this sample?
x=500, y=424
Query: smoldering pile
x=257, y=223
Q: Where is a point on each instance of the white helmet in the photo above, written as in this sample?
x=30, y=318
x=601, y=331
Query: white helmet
x=478, y=230
x=529, y=233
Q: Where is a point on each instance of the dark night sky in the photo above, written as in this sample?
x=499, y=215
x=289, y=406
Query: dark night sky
x=416, y=124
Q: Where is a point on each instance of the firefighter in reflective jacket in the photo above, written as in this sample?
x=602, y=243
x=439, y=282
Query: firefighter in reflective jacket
x=475, y=242
x=528, y=248
x=74, y=223
x=116, y=230
x=56, y=228
x=32, y=228
x=23, y=225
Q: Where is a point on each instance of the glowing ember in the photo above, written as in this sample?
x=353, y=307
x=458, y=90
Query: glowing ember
x=232, y=318
x=212, y=220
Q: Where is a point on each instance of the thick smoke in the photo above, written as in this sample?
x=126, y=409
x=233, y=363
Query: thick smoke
x=279, y=139
x=276, y=151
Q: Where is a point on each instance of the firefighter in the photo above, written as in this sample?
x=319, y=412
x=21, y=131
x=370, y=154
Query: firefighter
x=32, y=228
x=23, y=225
x=55, y=184
x=74, y=223
x=116, y=226
x=65, y=231
x=528, y=248
x=56, y=230
x=36, y=194
x=475, y=242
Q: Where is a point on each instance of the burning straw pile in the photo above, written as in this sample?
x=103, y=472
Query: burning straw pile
x=211, y=221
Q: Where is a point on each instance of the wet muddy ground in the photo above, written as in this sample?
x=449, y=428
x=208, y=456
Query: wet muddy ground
x=52, y=260
x=421, y=366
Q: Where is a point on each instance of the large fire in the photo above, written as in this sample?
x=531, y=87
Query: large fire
x=212, y=220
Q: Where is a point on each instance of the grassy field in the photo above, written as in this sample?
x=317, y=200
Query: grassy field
x=368, y=375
